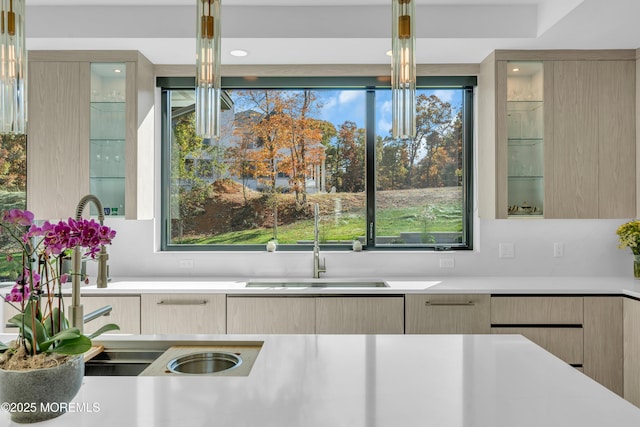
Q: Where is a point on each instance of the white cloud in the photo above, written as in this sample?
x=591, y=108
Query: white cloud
x=329, y=102
x=384, y=127
x=385, y=107
x=444, y=95
x=348, y=96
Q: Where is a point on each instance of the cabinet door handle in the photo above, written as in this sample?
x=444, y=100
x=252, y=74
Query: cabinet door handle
x=461, y=303
x=203, y=302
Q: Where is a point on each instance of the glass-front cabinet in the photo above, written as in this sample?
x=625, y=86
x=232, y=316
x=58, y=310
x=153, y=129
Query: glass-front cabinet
x=525, y=138
x=108, y=136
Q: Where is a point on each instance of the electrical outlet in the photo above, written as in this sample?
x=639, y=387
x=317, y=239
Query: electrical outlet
x=506, y=250
x=185, y=263
x=558, y=249
x=447, y=263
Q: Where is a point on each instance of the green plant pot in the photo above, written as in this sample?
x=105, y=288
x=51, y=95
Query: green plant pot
x=40, y=394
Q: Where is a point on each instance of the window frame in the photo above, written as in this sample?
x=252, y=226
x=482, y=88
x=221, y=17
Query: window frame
x=370, y=85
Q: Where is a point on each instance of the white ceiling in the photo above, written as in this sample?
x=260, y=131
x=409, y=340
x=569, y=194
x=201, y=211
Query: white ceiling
x=333, y=31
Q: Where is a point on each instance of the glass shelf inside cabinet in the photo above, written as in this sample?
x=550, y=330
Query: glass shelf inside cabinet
x=525, y=138
x=108, y=133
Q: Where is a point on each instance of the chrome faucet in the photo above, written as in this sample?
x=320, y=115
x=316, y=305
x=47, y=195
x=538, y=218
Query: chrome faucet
x=317, y=267
x=76, y=311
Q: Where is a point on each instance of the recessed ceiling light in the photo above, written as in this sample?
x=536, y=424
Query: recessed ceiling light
x=239, y=52
x=515, y=70
x=389, y=53
x=117, y=70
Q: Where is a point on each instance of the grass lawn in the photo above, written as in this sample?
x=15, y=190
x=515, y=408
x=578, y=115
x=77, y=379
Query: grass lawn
x=390, y=222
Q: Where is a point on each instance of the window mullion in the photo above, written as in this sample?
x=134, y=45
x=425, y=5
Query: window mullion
x=370, y=167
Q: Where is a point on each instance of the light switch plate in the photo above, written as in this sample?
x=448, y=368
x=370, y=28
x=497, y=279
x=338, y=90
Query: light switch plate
x=506, y=250
x=185, y=263
x=558, y=249
x=447, y=263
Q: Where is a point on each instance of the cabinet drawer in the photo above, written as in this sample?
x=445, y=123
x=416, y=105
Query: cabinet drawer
x=125, y=313
x=447, y=314
x=183, y=314
x=271, y=315
x=536, y=310
x=359, y=315
x=565, y=343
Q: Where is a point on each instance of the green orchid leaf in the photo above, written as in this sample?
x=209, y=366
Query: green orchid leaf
x=77, y=345
x=67, y=334
x=28, y=327
x=3, y=347
x=56, y=322
x=105, y=328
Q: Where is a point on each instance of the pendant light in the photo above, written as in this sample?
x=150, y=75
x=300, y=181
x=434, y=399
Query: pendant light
x=13, y=68
x=403, y=70
x=208, y=69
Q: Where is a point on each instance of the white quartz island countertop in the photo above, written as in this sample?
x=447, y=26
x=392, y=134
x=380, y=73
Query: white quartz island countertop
x=362, y=381
x=456, y=284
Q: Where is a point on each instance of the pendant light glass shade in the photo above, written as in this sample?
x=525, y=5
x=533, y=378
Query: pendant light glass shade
x=13, y=68
x=403, y=70
x=208, y=69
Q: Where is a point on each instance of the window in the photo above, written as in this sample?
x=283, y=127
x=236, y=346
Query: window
x=13, y=183
x=288, y=144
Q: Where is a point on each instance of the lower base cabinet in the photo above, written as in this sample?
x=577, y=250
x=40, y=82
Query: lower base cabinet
x=125, y=313
x=603, y=341
x=309, y=315
x=565, y=343
x=183, y=314
x=448, y=314
x=360, y=315
x=270, y=315
x=632, y=350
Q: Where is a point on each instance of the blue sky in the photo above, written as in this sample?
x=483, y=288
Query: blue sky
x=339, y=106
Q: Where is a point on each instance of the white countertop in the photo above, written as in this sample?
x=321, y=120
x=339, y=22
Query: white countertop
x=363, y=380
x=477, y=284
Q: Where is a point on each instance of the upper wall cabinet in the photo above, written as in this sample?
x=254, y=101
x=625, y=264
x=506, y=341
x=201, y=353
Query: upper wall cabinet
x=90, y=130
x=560, y=129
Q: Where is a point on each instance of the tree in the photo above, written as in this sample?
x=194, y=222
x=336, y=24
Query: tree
x=391, y=169
x=288, y=139
x=433, y=119
x=353, y=141
x=305, y=139
x=192, y=162
x=13, y=163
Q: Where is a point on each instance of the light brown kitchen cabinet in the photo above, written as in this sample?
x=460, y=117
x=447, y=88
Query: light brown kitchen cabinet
x=565, y=343
x=592, y=153
x=271, y=315
x=447, y=314
x=588, y=138
x=536, y=310
x=360, y=315
x=183, y=314
x=603, y=341
x=125, y=313
x=632, y=350
x=63, y=145
x=552, y=322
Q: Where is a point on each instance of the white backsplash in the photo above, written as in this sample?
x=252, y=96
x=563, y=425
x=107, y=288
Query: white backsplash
x=589, y=246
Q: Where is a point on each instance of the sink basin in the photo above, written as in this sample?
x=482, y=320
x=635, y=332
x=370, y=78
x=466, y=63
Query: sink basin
x=315, y=284
x=121, y=362
x=201, y=363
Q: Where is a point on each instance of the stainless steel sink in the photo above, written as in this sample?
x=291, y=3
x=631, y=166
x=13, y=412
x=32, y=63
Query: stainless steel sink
x=121, y=362
x=316, y=284
x=202, y=363
x=159, y=357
